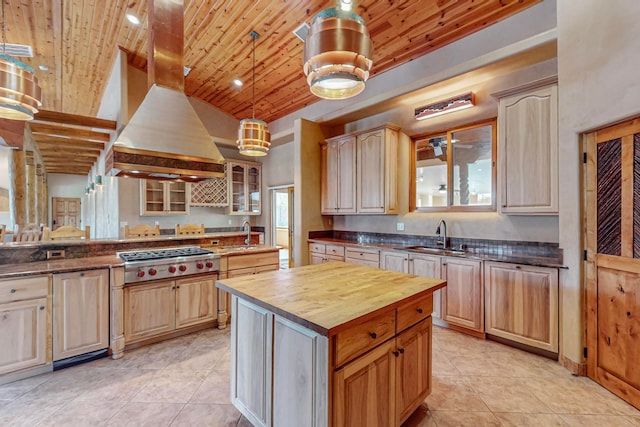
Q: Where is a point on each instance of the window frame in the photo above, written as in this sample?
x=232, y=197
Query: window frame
x=450, y=207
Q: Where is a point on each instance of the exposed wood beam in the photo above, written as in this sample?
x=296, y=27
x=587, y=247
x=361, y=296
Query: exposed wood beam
x=12, y=133
x=74, y=119
x=70, y=144
x=60, y=130
x=65, y=156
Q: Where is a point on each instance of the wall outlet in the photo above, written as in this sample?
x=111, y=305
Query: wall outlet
x=400, y=226
x=230, y=222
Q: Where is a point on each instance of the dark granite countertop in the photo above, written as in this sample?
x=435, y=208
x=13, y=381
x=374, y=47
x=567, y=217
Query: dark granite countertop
x=515, y=258
x=58, y=266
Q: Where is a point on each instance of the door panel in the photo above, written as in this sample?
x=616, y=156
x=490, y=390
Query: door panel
x=613, y=258
x=66, y=211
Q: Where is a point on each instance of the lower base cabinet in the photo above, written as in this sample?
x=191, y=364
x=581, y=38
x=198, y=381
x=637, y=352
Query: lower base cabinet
x=462, y=299
x=25, y=328
x=80, y=313
x=384, y=386
x=161, y=307
x=522, y=304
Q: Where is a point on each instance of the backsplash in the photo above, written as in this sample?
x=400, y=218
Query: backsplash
x=486, y=246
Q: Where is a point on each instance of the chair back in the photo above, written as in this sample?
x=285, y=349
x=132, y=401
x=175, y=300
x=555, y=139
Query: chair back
x=189, y=229
x=28, y=233
x=3, y=231
x=67, y=232
x=141, y=230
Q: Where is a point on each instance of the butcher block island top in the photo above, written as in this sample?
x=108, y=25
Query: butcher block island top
x=329, y=297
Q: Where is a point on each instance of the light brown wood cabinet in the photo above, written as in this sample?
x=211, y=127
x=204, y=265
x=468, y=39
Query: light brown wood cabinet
x=245, y=187
x=429, y=266
x=362, y=256
x=377, y=171
x=80, y=312
x=162, y=307
x=319, y=253
x=25, y=308
x=164, y=197
x=462, y=301
x=383, y=386
x=339, y=175
x=239, y=265
x=360, y=172
x=394, y=261
x=528, y=152
x=522, y=304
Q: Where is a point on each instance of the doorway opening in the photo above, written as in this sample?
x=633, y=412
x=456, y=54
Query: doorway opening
x=282, y=224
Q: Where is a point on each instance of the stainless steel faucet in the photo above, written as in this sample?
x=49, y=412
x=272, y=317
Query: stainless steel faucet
x=247, y=227
x=442, y=226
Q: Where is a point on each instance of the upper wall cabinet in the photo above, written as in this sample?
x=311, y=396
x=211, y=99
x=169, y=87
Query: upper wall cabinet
x=528, y=152
x=339, y=175
x=244, y=180
x=360, y=173
x=164, y=197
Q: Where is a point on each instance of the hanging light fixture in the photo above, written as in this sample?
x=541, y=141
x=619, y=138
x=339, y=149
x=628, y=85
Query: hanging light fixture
x=20, y=95
x=254, y=138
x=337, y=54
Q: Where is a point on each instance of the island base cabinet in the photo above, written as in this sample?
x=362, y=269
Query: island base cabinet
x=251, y=358
x=80, y=313
x=23, y=334
x=413, y=368
x=363, y=393
x=300, y=360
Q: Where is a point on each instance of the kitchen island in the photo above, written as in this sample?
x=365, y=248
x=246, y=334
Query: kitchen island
x=330, y=344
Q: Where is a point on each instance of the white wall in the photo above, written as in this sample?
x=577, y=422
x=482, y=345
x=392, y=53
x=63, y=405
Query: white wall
x=598, y=65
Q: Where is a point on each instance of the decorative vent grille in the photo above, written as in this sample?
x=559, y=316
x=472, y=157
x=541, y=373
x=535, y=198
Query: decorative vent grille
x=210, y=192
x=12, y=49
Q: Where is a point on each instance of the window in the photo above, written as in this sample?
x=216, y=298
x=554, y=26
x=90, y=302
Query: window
x=455, y=169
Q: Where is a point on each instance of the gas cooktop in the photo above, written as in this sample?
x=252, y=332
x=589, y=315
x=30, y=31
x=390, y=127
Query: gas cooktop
x=163, y=253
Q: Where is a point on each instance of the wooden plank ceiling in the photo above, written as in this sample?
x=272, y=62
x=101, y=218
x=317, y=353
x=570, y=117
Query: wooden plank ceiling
x=78, y=41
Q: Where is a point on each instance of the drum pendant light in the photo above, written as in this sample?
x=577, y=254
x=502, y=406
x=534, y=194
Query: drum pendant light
x=254, y=138
x=20, y=95
x=337, y=54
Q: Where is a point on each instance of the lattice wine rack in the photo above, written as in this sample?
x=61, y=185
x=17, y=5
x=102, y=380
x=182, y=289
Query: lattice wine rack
x=210, y=192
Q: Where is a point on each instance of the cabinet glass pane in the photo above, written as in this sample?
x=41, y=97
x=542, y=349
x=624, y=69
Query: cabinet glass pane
x=471, y=158
x=237, y=185
x=177, y=196
x=154, y=196
x=254, y=189
x=431, y=172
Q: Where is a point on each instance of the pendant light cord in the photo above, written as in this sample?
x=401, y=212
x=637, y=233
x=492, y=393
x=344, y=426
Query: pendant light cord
x=254, y=36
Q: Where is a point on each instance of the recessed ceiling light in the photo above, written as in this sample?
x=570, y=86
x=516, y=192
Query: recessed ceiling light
x=237, y=82
x=133, y=19
x=43, y=67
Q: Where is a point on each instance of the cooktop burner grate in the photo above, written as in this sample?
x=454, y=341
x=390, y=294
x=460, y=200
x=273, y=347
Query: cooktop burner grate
x=163, y=253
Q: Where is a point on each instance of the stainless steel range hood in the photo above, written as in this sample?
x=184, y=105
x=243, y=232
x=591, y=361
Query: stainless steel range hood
x=165, y=138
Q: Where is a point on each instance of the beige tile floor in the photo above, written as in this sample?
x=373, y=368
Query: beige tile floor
x=185, y=382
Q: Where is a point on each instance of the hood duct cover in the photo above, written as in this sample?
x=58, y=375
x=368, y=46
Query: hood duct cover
x=165, y=139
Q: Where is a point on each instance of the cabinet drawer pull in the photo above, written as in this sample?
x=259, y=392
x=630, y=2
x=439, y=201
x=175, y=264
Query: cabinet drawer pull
x=401, y=350
x=518, y=267
x=41, y=307
x=361, y=254
x=13, y=291
x=81, y=274
x=395, y=353
x=444, y=264
x=373, y=335
x=419, y=311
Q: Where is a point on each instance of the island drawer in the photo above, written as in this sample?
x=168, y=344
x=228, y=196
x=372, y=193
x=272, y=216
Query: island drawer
x=317, y=248
x=24, y=288
x=414, y=311
x=252, y=260
x=336, y=250
x=363, y=254
x=360, y=338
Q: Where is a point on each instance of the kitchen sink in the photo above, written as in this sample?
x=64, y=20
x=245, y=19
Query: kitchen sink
x=431, y=249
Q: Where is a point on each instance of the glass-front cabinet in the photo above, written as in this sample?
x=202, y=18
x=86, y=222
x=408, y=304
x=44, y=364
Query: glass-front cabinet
x=164, y=197
x=244, y=187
